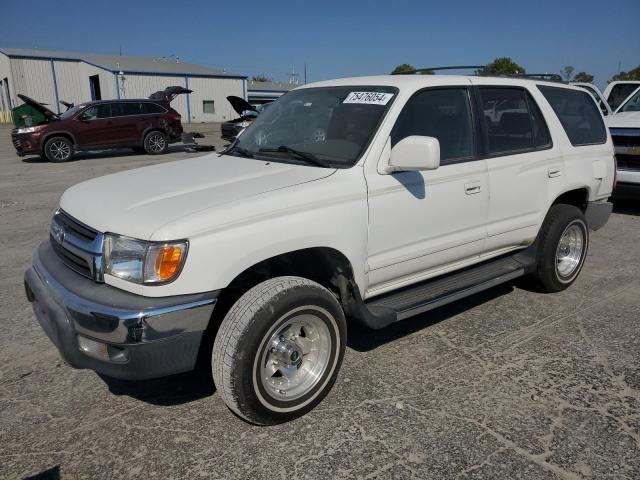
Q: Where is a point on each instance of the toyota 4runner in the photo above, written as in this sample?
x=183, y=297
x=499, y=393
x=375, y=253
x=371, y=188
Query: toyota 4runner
x=365, y=200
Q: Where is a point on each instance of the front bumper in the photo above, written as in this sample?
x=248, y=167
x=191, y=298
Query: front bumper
x=25, y=143
x=115, y=333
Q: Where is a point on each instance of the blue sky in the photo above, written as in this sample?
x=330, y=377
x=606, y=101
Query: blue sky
x=338, y=39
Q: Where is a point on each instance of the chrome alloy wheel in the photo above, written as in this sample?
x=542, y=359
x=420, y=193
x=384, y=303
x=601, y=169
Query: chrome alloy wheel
x=570, y=250
x=60, y=150
x=295, y=356
x=157, y=143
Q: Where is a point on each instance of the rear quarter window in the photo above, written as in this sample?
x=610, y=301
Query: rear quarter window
x=578, y=114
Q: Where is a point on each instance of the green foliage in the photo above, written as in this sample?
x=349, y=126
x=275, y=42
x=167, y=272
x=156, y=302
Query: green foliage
x=630, y=75
x=501, y=66
x=567, y=73
x=403, y=69
x=261, y=78
x=583, y=77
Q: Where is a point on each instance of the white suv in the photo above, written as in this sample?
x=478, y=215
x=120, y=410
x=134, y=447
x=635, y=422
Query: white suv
x=364, y=200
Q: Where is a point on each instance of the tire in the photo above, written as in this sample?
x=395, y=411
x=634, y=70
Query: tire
x=155, y=143
x=58, y=149
x=278, y=350
x=562, y=249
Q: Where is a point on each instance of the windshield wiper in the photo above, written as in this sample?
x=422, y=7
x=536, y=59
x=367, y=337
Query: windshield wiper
x=241, y=151
x=308, y=157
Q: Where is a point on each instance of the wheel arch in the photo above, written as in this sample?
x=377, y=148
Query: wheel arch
x=578, y=197
x=326, y=266
x=49, y=135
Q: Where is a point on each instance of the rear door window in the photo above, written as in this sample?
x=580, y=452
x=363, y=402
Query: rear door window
x=130, y=108
x=513, y=122
x=578, y=114
x=441, y=113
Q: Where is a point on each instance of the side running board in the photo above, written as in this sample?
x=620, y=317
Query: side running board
x=385, y=309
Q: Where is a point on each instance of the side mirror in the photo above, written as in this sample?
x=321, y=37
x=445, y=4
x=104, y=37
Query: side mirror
x=415, y=153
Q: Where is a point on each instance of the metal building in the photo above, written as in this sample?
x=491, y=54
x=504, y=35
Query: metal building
x=265, y=92
x=51, y=77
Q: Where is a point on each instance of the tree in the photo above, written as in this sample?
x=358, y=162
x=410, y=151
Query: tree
x=583, y=77
x=261, y=78
x=403, y=69
x=630, y=75
x=501, y=66
x=567, y=73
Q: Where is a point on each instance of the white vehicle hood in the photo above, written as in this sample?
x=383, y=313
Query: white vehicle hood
x=623, y=120
x=137, y=202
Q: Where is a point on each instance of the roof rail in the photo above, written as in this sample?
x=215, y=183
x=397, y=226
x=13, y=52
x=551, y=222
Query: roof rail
x=478, y=70
x=458, y=67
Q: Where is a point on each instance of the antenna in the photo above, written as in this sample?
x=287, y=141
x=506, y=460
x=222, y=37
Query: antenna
x=293, y=76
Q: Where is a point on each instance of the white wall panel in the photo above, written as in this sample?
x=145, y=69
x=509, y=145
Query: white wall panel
x=107, y=82
x=5, y=72
x=141, y=86
x=69, y=83
x=216, y=89
x=33, y=78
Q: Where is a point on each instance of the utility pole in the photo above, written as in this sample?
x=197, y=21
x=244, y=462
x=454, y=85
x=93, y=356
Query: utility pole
x=305, y=73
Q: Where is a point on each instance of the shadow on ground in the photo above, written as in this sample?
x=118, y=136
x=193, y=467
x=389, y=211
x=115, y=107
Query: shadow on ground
x=97, y=155
x=173, y=390
x=627, y=201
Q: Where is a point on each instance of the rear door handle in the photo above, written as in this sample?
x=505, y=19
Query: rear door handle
x=554, y=172
x=472, y=188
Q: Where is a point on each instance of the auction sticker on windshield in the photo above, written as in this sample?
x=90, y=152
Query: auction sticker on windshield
x=368, y=98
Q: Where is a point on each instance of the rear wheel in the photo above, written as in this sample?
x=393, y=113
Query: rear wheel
x=58, y=149
x=155, y=143
x=564, y=239
x=279, y=349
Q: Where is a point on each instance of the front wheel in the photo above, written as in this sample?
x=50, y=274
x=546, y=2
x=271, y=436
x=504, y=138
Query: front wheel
x=58, y=149
x=155, y=143
x=564, y=239
x=279, y=349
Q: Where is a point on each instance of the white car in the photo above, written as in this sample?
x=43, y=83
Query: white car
x=624, y=124
x=258, y=258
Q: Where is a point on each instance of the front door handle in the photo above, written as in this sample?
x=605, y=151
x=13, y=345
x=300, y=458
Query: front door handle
x=554, y=172
x=472, y=188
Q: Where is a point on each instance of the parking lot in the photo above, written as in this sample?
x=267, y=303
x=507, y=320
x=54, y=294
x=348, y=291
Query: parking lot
x=506, y=384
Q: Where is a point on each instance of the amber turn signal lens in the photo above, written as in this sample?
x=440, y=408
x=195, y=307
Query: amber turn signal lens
x=168, y=262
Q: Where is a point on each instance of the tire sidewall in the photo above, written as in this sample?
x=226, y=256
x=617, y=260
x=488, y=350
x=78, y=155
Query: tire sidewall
x=147, y=138
x=52, y=140
x=247, y=369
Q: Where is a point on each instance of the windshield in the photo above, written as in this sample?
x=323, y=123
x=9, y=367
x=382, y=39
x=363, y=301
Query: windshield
x=71, y=112
x=331, y=125
x=632, y=104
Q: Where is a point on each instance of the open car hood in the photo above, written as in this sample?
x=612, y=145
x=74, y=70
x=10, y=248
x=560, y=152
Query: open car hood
x=169, y=93
x=38, y=106
x=240, y=105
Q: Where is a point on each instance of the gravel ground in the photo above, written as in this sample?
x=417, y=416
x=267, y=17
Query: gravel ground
x=506, y=384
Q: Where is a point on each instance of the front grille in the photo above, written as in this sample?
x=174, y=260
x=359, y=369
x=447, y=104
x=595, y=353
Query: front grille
x=74, y=262
x=625, y=136
x=16, y=141
x=72, y=225
x=77, y=245
x=628, y=162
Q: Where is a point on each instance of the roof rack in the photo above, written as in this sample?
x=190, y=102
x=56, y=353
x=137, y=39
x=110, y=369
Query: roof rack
x=478, y=70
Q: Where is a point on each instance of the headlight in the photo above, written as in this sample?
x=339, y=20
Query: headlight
x=244, y=124
x=29, y=129
x=145, y=262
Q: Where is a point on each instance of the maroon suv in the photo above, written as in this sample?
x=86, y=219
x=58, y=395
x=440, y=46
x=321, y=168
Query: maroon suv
x=147, y=125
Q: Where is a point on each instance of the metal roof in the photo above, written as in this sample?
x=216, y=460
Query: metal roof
x=270, y=86
x=124, y=63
